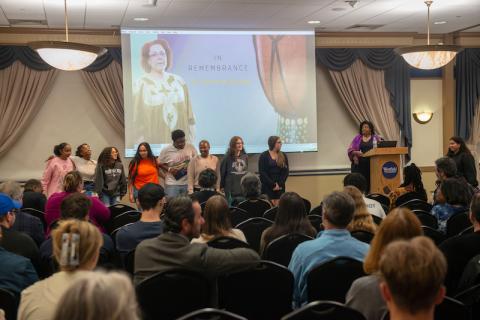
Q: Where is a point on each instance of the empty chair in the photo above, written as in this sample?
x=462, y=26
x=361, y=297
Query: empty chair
x=426, y=219
x=255, y=208
x=125, y=218
x=457, y=223
x=416, y=204
x=264, y=292
x=383, y=199
x=8, y=302
x=271, y=214
x=253, y=229
x=227, y=243
x=407, y=197
x=36, y=213
x=118, y=209
x=318, y=210
x=316, y=221
x=211, y=314
x=237, y=216
x=281, y=249
x=332, y=279
x=324, y=310
x=363, y=236
x=173, y=293
x=434, y=234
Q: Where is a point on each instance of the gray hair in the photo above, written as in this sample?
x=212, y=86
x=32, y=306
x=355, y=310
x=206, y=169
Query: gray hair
x=99, y=295
x=447, y=166
x=339, y=207
x=251, y=185
x=12, y=189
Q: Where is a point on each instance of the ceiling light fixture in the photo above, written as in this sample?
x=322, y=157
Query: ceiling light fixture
x=440, y=22
x=140, y=19
x=65, y=55
x=314, y=21
x=428, y=56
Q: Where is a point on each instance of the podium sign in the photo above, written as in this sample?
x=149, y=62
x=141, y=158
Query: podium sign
x=385, y=168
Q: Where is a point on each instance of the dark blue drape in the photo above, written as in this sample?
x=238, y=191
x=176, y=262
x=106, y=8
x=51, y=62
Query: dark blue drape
x=397, y=76
x=467, y=74
x=30, y=58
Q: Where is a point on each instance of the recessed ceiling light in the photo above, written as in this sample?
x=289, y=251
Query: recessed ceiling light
x=140, y=19
x=440, y=22
x=314, y=21
x=339, y=9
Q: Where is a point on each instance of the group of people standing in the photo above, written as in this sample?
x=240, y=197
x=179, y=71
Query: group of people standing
x=178, y=165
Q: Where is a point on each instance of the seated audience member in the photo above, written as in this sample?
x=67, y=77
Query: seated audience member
x=445, y=168
x=251, y=187
x=358, y=180
x=362, y=219
x=39, y=301
x=99, y=295
x=334, y=241
x=364, y=294
x=151, y=198
x=291, y=218
x=459, y=250
x=452, y=198
x=33, y=196
x=200, y=163
x=217, y=222
x=98, y=214
x=412, y=182
x=12, y=240
x=17, y=271
x=172, y=249
x=412, y=274
x=207, y=180
x=75, y=206
x=24, y=222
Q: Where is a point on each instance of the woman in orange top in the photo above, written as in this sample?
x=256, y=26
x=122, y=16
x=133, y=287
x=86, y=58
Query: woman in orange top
x=142, y=170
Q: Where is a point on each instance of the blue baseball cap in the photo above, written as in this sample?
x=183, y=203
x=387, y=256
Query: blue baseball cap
x=7, y=204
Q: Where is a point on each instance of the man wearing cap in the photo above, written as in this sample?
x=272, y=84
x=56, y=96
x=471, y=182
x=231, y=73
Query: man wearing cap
x=17, y=271
x=151, y=199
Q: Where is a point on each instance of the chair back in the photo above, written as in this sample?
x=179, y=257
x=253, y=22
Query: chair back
x=308, y=205
x=363, y=236
x=383, y=199
x=271, y=214
x=237, y=216
x=426, y=219
x=253, y=229
x=318, y=210
x=255, y=208
x=324, y=310
x=466, y=231
x=263, y=292
x=37, y=213
x=376, y=219
x=173, y=293
x=227, y=243
x=9, y=304
x=416, y=204
x=433, y=234
x=471, y=274
x=471, y=299
x=457, y=223
x=129, y=262
x=332, y=279
x=451, y=309
x=113, y=234
x=211, y=314
x=407, y=197
x=125, y=218
x=316, y=221
x=280, y=250
x=119, y=208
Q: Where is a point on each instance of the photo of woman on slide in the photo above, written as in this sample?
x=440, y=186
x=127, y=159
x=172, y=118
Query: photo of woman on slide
x=161, y=101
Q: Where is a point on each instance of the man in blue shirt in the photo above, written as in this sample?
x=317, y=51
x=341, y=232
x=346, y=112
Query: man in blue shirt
x=151, y=198
x=17, y=271
x=335, y=241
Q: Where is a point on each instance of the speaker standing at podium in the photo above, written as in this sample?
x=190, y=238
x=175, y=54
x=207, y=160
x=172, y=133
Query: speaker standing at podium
x=361, y=143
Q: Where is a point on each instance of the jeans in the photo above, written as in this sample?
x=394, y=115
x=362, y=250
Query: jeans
x=109, y=200
x=173, y=191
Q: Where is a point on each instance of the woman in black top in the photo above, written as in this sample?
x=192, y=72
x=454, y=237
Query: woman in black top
x=273, y=169
x=458, y=151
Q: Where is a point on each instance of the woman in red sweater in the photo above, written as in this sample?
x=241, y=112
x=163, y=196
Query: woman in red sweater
x=142, y=169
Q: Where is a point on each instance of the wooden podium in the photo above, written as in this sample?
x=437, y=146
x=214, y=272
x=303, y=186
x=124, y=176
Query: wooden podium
x=385, y=168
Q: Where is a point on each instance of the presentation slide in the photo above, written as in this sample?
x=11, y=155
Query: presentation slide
x=216, y=84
